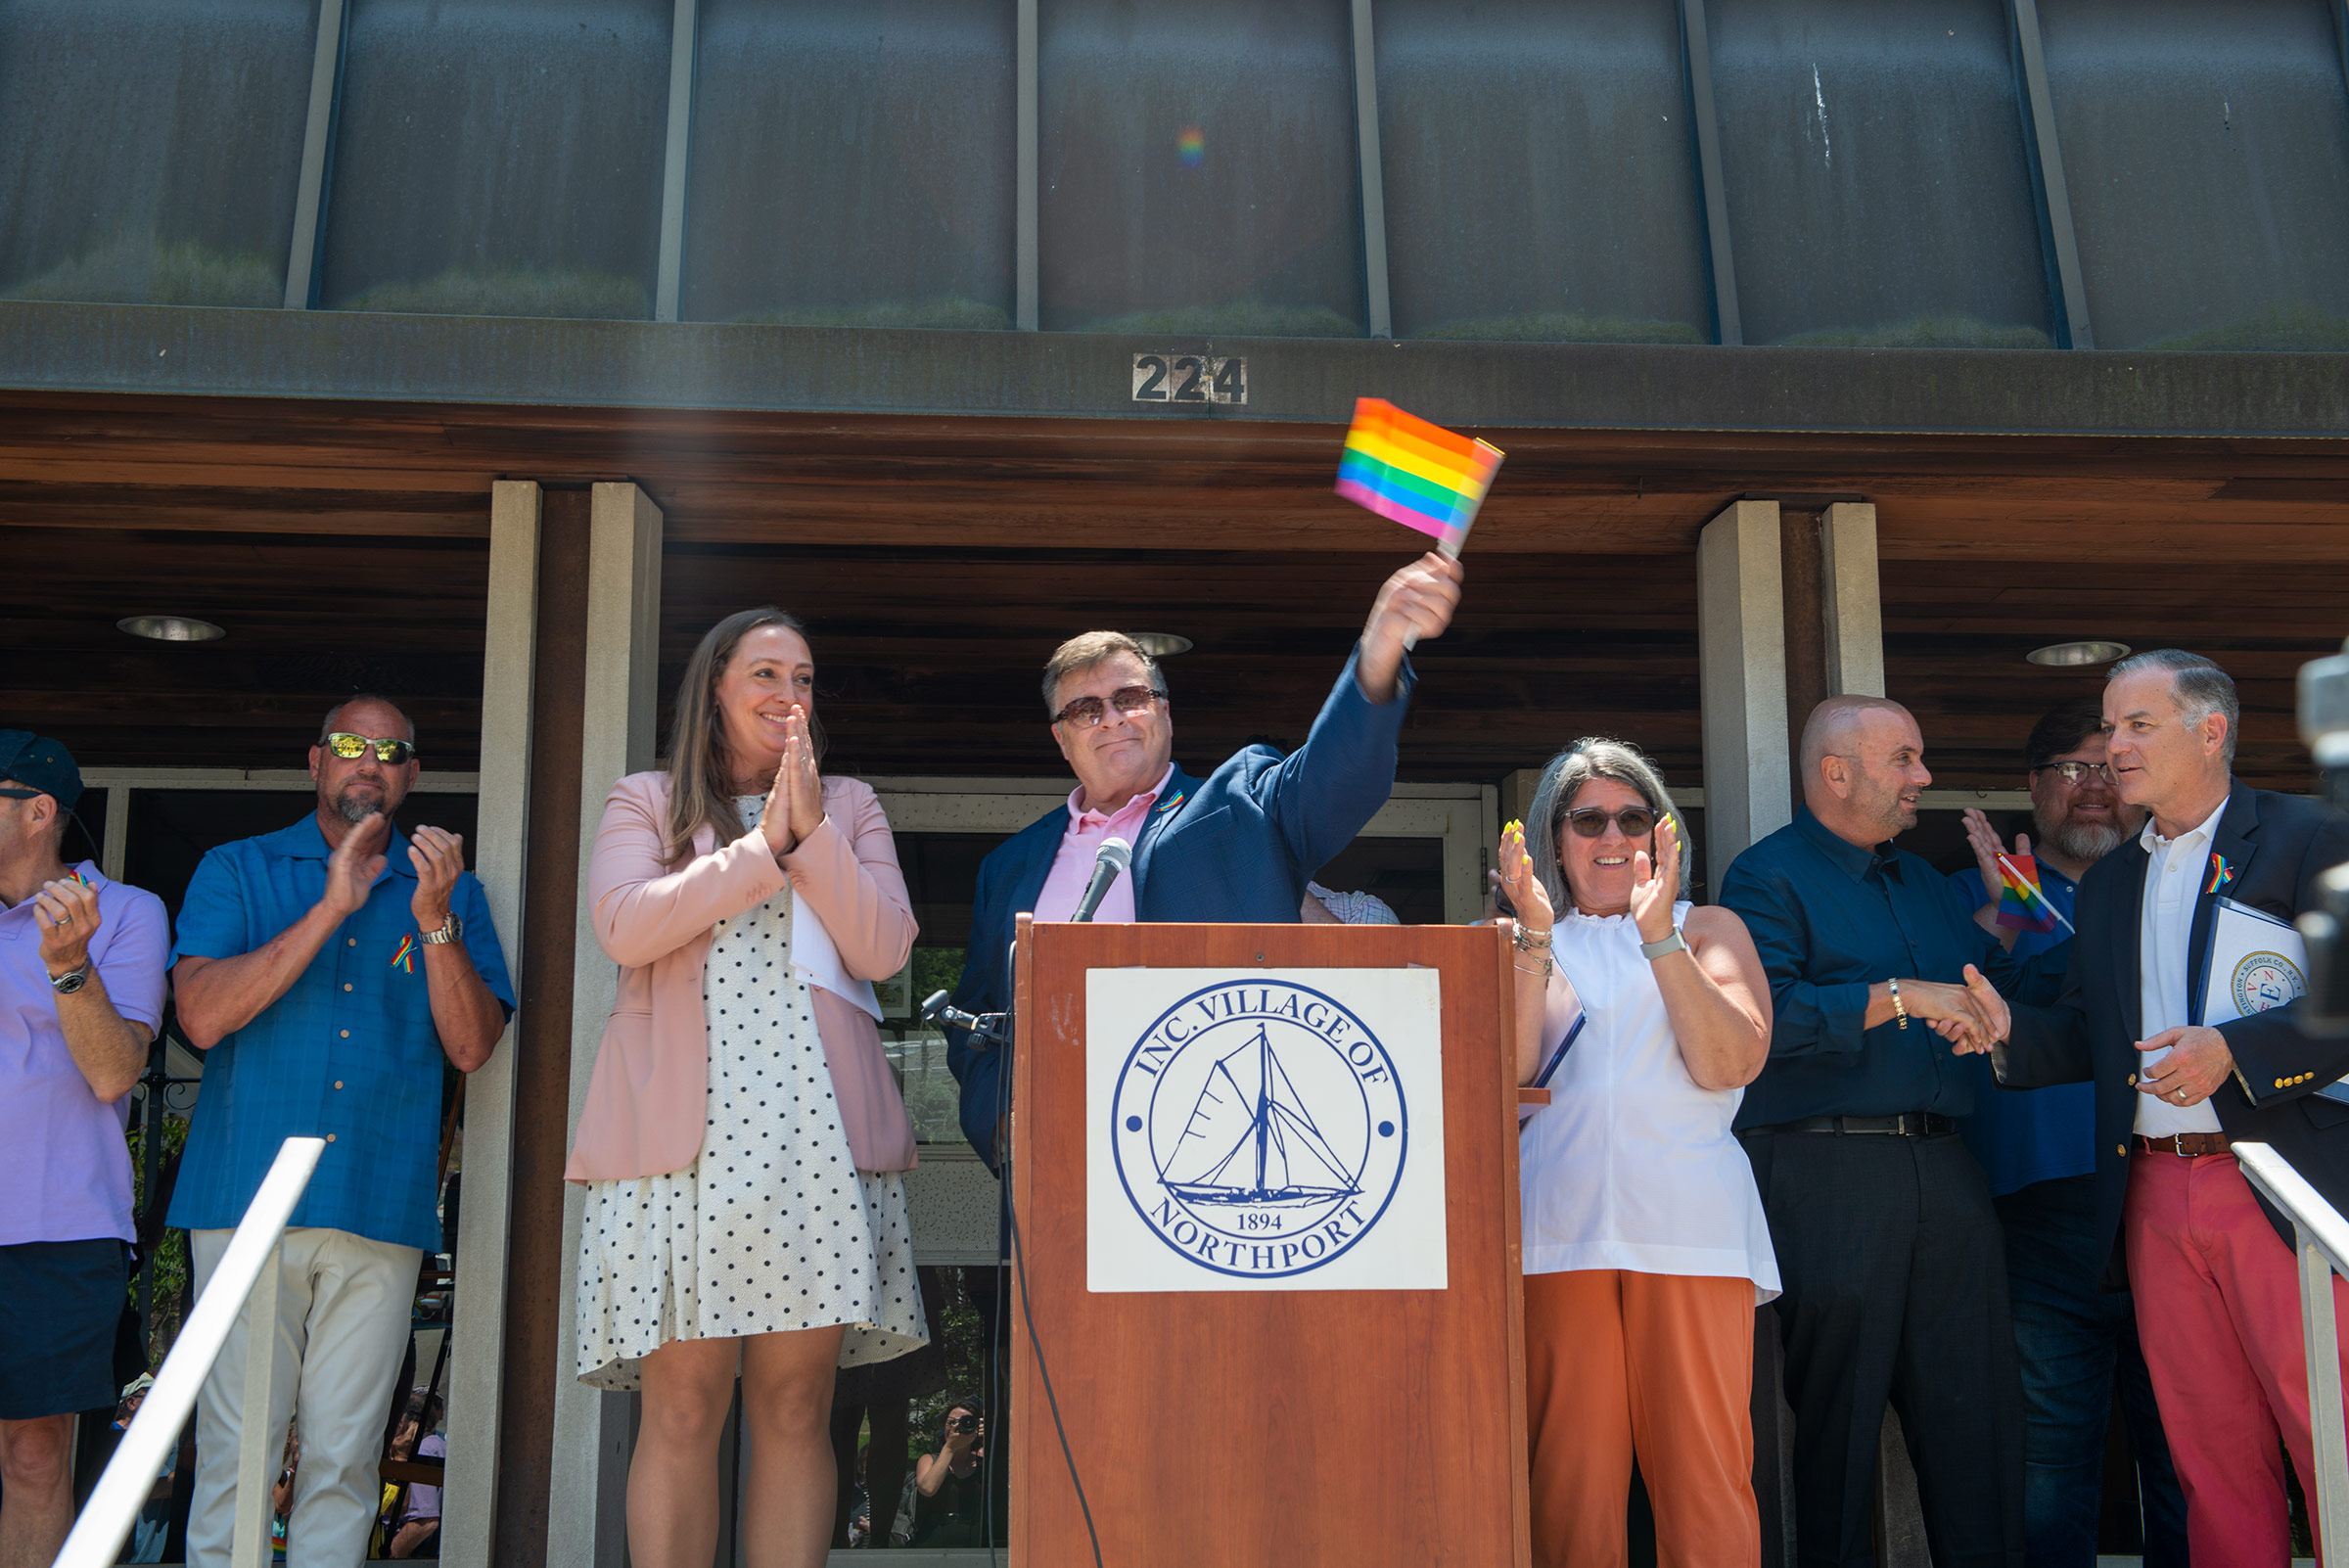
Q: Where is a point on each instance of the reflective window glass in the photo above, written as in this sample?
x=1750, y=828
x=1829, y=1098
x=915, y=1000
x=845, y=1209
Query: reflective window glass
x=2206, y=151
x=1199, y=168
x=1539, y=182
x=1878, y=186
x=852, y=165
x=499, y=157
x=150, y=149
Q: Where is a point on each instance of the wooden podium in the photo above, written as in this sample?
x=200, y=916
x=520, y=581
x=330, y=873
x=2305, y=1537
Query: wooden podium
x=1354, y=1427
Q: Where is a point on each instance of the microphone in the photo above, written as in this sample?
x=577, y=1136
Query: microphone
x=1114, y=856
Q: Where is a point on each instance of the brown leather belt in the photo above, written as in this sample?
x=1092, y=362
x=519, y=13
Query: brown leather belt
x=2188, y=1145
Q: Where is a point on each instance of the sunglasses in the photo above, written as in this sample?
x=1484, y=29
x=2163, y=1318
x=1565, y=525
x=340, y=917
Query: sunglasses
x=1087, y=712
x=351, y=748
x=1637, y=821
x=2074, y=773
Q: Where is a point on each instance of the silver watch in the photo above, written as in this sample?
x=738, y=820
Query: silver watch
x=450, y=929
x=66, y=984
x=1676, y=943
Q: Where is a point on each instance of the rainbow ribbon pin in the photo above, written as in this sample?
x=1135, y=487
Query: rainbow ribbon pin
x=2221, y=873
x=406, y=959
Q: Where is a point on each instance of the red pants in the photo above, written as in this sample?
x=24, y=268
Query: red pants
x=1657, y=1363
x=2217, y=1312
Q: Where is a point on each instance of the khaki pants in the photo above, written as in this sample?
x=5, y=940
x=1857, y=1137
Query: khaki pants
x=343, y=1305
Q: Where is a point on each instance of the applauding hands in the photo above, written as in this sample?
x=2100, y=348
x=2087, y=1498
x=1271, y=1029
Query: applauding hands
x=795, y=806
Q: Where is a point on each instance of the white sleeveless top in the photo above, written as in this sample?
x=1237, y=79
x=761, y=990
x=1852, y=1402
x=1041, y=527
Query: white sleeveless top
x=1631, y=1164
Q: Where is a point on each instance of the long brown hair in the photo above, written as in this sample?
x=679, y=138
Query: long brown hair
x=701, y=764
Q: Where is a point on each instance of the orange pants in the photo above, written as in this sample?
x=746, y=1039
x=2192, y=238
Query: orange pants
x=1657, y=1364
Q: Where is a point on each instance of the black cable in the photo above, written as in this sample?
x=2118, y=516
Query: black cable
x=1018, y=1264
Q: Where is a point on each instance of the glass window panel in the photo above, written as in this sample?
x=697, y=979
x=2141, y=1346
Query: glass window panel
x=1198, y=168
x=499, y=157
x=1878, y=187
x=854, y=166
x=150, y=149
x=2206, y=151
x=1540, y=181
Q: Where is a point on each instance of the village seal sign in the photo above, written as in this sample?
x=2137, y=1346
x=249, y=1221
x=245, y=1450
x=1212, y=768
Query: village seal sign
x=1260, y=1129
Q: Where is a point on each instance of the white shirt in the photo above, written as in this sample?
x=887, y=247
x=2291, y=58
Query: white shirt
x=2175, y=869
x=1631, y=1164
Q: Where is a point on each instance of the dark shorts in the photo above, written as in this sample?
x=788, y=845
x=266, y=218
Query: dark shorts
x=60, y=1302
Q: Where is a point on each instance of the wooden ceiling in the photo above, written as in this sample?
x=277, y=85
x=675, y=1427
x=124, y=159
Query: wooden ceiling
x=939, y=559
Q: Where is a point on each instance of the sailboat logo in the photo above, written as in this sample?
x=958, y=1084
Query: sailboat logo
x=1260, y=1129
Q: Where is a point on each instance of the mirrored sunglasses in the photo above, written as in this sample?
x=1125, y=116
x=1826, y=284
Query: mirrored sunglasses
x=351, y=748
x=1087, y=712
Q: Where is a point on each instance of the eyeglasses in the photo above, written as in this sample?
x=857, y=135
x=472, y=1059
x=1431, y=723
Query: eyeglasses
x=2074, y=773
x=1637, y=821
x=351, y=748
x=1087, y=712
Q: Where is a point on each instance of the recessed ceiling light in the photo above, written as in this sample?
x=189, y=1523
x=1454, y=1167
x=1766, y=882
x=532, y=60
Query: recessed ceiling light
x=171, y=628
x=1161, y=644
x=2071, y=655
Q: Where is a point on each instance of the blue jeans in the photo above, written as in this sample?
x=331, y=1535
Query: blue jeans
x=2076, y=1341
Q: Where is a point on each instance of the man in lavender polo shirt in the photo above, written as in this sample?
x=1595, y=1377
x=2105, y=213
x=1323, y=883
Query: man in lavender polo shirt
x=81, y=991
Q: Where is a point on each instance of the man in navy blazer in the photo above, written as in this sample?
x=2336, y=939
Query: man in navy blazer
x=2211, y=1264
x=1235, y=846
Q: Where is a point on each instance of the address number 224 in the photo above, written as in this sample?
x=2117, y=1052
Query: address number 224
x=1189, y=379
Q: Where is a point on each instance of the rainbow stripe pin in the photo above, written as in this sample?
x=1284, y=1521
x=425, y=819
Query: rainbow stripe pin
x=2221, y=873
x=406, y=959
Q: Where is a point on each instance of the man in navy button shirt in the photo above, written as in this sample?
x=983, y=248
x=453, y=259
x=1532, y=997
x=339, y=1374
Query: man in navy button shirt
x=328, y=970
x=1887, y=1244
x=2076, y=1339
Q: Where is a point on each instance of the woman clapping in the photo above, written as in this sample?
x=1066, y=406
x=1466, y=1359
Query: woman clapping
x=1645, y=1246
x=742, y=1136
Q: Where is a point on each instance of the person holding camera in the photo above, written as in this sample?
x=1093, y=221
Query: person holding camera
x=950, y=1487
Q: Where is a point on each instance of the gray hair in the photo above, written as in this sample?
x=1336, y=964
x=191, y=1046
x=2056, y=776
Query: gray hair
x=1563, y=777
x=2199, y=685
x=1087, y=649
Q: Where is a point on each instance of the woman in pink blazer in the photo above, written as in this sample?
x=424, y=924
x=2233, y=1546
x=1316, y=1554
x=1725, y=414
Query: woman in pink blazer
x=742, y=1138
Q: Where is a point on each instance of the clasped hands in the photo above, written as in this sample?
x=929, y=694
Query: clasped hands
x=795, y=806
x=1972, y=1017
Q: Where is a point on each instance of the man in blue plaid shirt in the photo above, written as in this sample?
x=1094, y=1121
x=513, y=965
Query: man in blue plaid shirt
x=328, y=970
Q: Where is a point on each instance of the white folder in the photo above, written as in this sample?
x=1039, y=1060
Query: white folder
x=2256, y=962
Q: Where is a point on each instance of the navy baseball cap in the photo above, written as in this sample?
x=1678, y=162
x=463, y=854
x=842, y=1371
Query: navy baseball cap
x=39, y=763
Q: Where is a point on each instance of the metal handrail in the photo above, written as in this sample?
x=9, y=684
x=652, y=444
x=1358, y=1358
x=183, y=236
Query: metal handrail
x=247, y=1269
x=2324, y=1251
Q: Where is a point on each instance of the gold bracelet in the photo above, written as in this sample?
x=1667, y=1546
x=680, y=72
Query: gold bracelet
x=1547, y=964
x=1900, y=1008
x=1530, y=941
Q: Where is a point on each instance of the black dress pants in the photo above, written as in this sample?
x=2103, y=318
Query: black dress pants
x=1894, y=1292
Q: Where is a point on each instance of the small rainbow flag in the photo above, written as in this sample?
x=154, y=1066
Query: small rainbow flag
x=1417, y=474
x=2021, y=905
x=406, y=959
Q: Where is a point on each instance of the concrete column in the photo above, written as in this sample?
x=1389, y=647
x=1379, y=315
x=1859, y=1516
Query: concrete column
x=1741, y=673
x=587, y=1481
x=1851, y=600
x=477, y=1355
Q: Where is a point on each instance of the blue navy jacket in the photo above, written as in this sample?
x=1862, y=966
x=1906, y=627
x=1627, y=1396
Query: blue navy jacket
x=2277, y=846
x=1236, y=845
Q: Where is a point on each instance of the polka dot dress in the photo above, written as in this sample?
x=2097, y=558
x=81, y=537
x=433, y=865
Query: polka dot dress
x=773, y=1228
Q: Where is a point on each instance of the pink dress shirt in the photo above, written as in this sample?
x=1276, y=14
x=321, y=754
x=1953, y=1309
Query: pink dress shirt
x=1073, y=868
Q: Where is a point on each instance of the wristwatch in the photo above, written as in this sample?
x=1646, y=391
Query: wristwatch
x=66, y=984
x=1676, y=943
x=450, y=929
